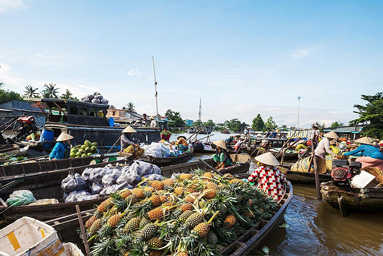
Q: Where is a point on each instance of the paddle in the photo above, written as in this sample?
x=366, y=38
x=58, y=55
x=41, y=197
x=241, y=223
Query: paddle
x=209, y=166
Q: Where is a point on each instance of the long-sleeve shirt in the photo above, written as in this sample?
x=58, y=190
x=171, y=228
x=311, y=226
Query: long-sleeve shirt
x=366, y=150
x=126, y=140
x=58, y=151
x=323, y=148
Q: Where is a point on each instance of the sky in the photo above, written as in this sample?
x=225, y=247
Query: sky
x=240, y=57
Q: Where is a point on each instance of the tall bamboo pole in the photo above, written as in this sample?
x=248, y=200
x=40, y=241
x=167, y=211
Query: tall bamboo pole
x=155, y=88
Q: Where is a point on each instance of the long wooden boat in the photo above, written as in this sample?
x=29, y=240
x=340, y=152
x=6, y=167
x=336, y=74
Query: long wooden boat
x=10, y=149
x=348, y=199
x=244, y=245
x=49, y=184
x=305, y=177
x=161, y=161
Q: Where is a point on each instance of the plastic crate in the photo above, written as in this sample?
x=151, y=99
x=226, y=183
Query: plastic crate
x=28, y=236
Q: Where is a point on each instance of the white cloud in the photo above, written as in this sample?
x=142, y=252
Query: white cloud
x=135, y=72
x=300, y=53
x=12, y=5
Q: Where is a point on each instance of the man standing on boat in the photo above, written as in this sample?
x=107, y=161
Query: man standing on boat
x=60, y=147
x=127, y=139
x=324, y=145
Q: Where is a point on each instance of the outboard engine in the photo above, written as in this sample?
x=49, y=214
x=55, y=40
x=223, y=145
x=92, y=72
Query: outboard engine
x=342, y=171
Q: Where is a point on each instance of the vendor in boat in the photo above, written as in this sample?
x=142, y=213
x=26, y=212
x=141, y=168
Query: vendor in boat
x=127, y=139
x=301, y=146
x=62, y=144
x=370, y=156
x=165, y=134
x=182, y=144
x=270, y=179
x=221, y=157
x=324, y=145
x=238, y=144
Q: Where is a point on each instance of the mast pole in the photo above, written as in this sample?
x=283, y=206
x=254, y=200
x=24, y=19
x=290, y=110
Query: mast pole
x=155, y=88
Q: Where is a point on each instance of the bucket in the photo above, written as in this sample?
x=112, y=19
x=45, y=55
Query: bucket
x=111, y=122
x=47, y=135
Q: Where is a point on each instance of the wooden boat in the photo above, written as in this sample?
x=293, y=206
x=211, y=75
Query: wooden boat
x=304, y=177
x=244, y=245
x=348, y=199
x=161, y=161
x=10, y=149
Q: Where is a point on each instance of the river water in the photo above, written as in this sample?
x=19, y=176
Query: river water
x=312, y=227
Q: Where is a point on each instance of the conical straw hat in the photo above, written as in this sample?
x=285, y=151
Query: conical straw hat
x=331, y=135
x=364, y=140
x=64, y=137
x=129, y=130
x=267, y=158
x=221, y=144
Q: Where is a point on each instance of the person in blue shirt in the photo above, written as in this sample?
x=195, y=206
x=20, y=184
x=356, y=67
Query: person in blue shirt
x=370, y=156
x=61, y=145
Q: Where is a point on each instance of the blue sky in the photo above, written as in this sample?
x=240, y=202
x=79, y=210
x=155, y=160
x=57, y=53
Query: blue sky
x=241, y=57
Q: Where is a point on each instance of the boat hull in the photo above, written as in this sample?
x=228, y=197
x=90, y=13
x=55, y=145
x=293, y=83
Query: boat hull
x=162, y=161
x=306, y=177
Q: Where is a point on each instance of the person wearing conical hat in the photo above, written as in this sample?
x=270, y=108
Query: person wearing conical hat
x=127, y=139
x=182, y=144
x=221, y=157
x=324, y=145
x=269, y=178
x=62, y=143
x=370, y=156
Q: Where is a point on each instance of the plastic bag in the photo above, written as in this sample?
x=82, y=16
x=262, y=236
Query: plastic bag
x=144, y=168
x=154, y=177
x=96, y=188
x=73, y=183
x=20, y=197
x=110, y=179
x=77, y=196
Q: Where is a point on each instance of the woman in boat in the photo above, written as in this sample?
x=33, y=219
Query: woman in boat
x=370, y=156
x=238, y=144
x=269, y=178
x=182, y=144
x=221, y=157
x=62, y=144
x=127, y=139
x=324, y=145
x=165, y=134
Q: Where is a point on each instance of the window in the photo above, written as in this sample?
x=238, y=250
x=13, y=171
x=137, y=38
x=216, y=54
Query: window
x=114, y=113
x=73, y=111
x=83, y=112
x=92, y=112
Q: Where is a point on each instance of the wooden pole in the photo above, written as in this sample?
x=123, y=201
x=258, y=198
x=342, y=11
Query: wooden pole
x=83, y=232
x=156, y=93
x=315, y=167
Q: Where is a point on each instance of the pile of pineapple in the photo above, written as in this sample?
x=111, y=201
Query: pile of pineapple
x=190, y=214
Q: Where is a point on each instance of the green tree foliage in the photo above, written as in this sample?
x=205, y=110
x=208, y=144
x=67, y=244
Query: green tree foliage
x=336, y=124
x=7, y=95
x=371, y=115
x=50, y=91
x=210, y=123
x=270, y=124
x=258, y=124
x=130, y=107
x=68, y=95
x=175, y=117
x=219, y=126
x=197, y=123
x=31, y=92
x=320, y=126
x=235, y=124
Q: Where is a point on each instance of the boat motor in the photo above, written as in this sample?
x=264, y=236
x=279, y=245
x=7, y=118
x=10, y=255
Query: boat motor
x=343, y=171
x=27, y=126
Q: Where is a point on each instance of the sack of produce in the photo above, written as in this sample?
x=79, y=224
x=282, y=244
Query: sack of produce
x=73, y=183
x=77, y=196
x=96, y=175
x=154, y=177
x=114, y=188
x=96, y=188
x=144, y=168
x=110, y=179
x=20, y=197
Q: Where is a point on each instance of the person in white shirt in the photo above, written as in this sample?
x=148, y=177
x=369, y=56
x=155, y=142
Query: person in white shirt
x=324, y=145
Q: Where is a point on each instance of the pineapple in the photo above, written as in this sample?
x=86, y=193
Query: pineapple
x=202, y=229
x=211, y=185
x=155, y=242
x=212, y=238
x=209, y=193
x=144, y=222
x=182, y=254
x=185, y=176
x=163, y=198
x=156, y=213
x=236, y=181
x=147, y=232
x=194, y=220
x=186, y=207
x=207, y=176
x=113, y=220
x=138, y=192
x=95, y=227
x=220, y=247
x=132, y=199
x=104, y=206
x=156, y=200
x=185, y=215
x=157, y=185
x=125, y=193
x=190, y=198
x=230, y=221
x=155, y=253
x=132, y=225
x=148, y=191
x=179, y=191
x=90, y=222
x=169, y=182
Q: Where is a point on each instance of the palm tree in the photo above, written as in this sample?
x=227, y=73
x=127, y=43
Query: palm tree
x=30, y=92
x=67, y=95
x=50, y=91
x=130, y=107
